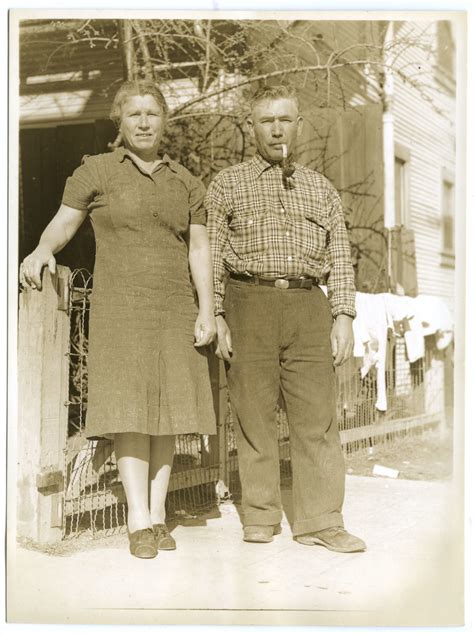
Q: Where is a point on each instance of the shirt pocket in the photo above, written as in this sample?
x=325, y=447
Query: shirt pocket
x=249, y=230
x=317, y=234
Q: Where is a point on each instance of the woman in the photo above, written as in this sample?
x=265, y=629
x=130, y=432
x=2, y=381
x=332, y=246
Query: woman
x=148, y=380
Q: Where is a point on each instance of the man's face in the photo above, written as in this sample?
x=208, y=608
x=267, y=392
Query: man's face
x=275, y=122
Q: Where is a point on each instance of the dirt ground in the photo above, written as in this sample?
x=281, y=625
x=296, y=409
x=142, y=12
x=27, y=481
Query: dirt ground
x=423, y=456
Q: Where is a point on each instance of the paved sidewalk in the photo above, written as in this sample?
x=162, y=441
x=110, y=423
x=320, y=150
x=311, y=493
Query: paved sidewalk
x=410, y=574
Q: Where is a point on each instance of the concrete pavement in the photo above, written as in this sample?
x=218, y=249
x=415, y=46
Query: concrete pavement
x=411, y=573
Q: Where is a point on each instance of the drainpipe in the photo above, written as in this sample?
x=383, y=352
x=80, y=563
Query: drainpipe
x=126, y=47
x=388, y=147
x=128, y=62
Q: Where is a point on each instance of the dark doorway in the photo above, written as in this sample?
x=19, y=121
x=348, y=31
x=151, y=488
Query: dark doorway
x=47, y=157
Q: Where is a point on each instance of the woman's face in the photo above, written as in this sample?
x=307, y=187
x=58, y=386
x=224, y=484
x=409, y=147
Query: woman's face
x=142, y=125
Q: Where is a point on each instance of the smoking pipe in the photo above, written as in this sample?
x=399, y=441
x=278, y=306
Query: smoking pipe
x=287, y=165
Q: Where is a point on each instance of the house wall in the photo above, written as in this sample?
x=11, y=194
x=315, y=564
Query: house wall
x=429, y=136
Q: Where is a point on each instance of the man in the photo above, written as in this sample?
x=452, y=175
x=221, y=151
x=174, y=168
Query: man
x=277, y=230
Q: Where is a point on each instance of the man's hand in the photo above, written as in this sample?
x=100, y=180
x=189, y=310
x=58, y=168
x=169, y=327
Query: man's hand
x=224, y=340
x=342, y=339
x=204, y=329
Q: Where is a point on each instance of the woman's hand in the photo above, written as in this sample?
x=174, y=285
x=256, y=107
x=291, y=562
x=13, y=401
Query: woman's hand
x=32, y=266
x=57, y=234
x=204, y=329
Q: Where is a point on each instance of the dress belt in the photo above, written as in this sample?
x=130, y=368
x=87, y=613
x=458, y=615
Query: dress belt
x=279, y=282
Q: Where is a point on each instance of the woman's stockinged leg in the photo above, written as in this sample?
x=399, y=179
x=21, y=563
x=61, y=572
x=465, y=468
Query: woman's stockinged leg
x=132, y=452
x=161, y=460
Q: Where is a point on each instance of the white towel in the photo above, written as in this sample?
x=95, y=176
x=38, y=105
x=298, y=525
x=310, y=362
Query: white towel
x=435, y=319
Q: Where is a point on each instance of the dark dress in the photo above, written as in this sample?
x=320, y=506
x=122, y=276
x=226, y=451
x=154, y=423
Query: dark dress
x=145, y=375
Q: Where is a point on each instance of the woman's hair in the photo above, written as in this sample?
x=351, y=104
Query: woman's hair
x=134, y=88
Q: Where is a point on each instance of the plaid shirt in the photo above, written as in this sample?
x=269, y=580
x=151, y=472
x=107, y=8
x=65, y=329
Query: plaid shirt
x=258, y=226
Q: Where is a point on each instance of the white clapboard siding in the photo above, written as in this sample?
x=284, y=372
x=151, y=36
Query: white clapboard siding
x=429, y=136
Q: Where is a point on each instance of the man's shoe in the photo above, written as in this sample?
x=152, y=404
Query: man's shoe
x=335, y=538
x=261, y=534
x=143, y=544
x=164, y=541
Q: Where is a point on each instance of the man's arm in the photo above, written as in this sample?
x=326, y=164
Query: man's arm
x=341, y=287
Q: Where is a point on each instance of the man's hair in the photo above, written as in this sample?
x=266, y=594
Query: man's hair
x=135, y=88
x=273, y=92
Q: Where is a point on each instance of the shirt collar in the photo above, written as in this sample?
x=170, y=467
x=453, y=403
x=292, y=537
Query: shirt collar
x=260, y=165
x=121, y=152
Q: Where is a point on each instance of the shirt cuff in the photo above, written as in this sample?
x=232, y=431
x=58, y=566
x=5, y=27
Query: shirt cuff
x=344, y=311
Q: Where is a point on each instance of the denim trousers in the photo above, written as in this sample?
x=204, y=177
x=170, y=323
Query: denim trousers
x=281, y=348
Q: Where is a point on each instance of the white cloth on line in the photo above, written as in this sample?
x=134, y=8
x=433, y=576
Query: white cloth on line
x=370, y=339
x=376, y=313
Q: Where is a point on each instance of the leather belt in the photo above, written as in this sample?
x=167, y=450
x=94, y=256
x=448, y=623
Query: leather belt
x=279, y=282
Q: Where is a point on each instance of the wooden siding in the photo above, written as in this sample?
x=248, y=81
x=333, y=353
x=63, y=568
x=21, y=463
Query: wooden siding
x=430, y=138
x=346, y=146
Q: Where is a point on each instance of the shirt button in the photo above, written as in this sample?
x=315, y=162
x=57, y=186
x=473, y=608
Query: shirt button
x=282, y=210
x=250, y=222
x=287, y=233
x=155, y=215
x=290, y=258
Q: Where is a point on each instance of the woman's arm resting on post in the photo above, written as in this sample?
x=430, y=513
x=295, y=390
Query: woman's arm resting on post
x=57, y=234
x=201, y=272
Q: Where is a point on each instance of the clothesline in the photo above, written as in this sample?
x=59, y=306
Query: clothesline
x=414, y=318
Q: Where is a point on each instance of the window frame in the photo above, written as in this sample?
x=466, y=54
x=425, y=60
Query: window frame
x=448, y=255
x=403, y=155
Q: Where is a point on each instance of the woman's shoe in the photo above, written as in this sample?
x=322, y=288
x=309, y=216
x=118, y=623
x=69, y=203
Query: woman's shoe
x=143, y=543
x=164, y=541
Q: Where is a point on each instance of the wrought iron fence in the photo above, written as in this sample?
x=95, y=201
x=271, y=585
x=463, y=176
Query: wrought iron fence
x=205, y=468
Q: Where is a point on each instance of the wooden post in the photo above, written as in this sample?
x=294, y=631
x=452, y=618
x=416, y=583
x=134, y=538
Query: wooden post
x=434, y=384
x=43, y=375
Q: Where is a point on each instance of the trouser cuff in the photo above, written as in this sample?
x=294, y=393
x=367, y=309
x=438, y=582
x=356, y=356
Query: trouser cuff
x=300, y=527
x=261, y=518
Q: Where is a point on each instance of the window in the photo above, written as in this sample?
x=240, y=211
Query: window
x=447, y=220
x=401, y=186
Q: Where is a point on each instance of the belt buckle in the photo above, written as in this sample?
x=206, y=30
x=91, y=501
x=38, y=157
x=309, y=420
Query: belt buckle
x=282, y=283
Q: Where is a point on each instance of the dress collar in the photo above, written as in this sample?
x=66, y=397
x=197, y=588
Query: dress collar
x=122, y=152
